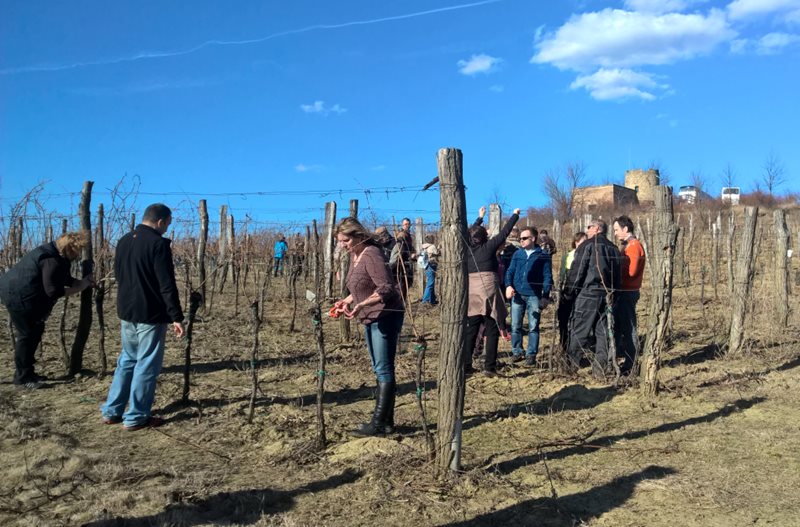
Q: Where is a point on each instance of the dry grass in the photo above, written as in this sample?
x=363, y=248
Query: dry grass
x=718, y=447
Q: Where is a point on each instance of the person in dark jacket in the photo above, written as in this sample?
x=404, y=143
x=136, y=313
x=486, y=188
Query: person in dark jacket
x=593, y=278
x=29, y=291
x=486, y=305
x=147, y=303
x=529, y=278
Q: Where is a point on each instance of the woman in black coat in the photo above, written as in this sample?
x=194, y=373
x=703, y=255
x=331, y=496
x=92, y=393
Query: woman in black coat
x=29, y=291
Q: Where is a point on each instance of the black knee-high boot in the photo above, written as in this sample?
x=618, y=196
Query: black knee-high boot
x=384, y=408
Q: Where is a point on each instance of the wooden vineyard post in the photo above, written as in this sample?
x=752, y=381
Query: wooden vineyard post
x=316, y=319
x=731, y=254
x=195, y=299
x=100, y=291
x=85, y=312
x=664, y=238
x=133, y=222
x=222, y=263
x=344, y=268
x=453, y=279
x=201, y=249
x=328, y=238
x=419, y=239
x=743, y=285
x=495, y=219
x=715, y=232
x=782, y=244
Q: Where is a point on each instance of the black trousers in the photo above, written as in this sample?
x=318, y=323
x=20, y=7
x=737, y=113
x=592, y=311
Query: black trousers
x=563, y=314
x=625, y=329
x=29, y=330
x=491, y=332
x=589, y=329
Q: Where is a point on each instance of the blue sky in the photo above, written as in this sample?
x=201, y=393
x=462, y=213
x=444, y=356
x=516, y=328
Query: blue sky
x=303, y=99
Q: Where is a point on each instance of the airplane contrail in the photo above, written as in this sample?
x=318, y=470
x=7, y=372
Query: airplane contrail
x=176, y=53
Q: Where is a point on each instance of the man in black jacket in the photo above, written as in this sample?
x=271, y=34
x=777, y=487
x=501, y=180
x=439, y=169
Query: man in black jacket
x=147, y=302
x=594, y=274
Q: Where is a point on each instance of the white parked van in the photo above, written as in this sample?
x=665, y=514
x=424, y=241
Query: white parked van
x=730, y=195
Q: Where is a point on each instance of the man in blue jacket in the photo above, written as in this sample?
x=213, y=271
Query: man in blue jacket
x=529, y=277
x=280, y=249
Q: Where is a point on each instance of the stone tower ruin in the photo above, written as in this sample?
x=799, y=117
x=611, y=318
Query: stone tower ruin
x=643, y=182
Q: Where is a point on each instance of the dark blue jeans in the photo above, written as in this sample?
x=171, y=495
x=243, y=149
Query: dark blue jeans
x=382, y=336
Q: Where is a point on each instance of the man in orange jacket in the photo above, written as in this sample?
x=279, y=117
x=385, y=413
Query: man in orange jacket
x=631, y=271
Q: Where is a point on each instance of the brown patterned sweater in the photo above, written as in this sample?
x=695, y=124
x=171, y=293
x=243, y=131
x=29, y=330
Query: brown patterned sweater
x=370, y=275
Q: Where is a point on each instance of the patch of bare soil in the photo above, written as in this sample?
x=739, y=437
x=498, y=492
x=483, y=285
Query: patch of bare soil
x=719, y=446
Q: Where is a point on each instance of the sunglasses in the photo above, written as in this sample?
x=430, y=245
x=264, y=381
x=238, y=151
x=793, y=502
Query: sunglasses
x=526, y=238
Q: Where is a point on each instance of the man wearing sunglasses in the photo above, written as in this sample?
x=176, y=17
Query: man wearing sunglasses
x=529, y=277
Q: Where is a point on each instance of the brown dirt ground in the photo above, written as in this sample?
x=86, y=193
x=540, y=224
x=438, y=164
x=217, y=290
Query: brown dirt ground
x=719, y=446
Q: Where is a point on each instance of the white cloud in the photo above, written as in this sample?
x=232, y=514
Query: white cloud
x=321, y=108
x=614, y=38
x=659, y=6
x=378, y=168
x=607, y=84
x=497, y=88
x=739, y=45
x=774, y=42
x=746, y=9
x=300, y=167
x=478, y=64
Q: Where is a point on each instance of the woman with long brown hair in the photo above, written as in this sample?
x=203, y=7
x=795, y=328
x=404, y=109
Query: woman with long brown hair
x=375, y=300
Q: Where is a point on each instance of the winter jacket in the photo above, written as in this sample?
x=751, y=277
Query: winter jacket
x=595, y=269
x=37, y=281
x=280, y=248
x=484, y=257
x=147, y=292
x=531, y=275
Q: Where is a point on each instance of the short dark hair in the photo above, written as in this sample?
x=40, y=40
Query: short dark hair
x=533, y=230
x=578, y=237
x=624, y=221
x=602, y=226
x=156, y=212
x=405, y=219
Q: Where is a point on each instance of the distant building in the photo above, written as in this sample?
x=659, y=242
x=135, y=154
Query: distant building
x=730, y=195
x=692, y=194
x=643, y=182
x=589, y=199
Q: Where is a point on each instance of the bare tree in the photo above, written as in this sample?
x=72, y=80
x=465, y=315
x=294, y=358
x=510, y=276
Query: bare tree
x=560, y=185
x=698, y=181
x=773, y=175
x=728, y=175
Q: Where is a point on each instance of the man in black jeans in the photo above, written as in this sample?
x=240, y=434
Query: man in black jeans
x=596, y=276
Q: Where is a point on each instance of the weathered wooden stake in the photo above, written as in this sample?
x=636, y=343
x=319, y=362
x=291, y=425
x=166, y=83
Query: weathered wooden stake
x=664, y=238
x=87, y=264
x=201, y=249
x=100, y=291
x=783, y=242
x=328, y=240
x=745, y=269
x=453, y=276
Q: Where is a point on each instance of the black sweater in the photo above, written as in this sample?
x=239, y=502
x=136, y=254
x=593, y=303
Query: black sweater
x=146, y=278
x=484, y=257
